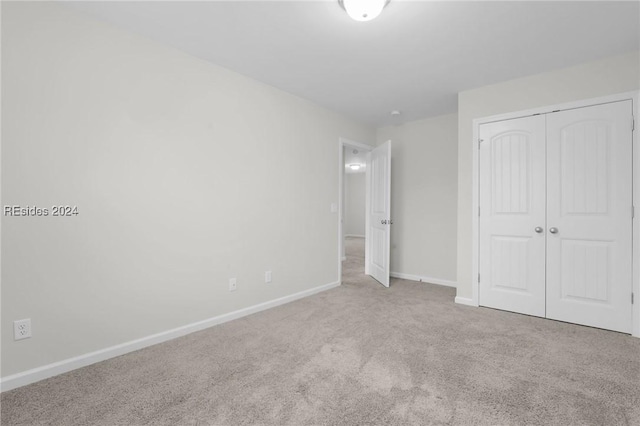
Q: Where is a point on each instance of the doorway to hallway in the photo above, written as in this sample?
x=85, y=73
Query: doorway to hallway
x=353, y=263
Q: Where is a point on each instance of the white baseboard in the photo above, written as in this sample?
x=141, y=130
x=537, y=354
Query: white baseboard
x=354, y=236
x=46, y=371
x=430, y=280
x=464, y=301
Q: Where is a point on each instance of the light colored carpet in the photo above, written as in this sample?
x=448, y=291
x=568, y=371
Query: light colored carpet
x=358, y=354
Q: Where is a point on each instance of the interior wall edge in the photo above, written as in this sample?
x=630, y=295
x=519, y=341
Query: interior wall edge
x=464, y=301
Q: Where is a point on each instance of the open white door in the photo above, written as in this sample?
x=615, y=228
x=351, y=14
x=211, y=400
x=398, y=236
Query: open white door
x=379, y=213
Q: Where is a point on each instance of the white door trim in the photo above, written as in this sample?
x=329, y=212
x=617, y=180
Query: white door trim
x=342, y=142
x=475, y=229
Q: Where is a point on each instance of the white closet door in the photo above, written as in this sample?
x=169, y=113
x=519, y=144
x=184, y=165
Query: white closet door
x=512, y=216
x=589, y=203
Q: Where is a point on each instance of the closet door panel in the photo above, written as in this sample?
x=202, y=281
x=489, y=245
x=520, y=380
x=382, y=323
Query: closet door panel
x=512, y=203
x=589, y=199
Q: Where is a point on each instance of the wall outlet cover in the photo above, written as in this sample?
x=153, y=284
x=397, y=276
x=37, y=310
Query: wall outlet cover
x=22, y=329
x=267, y=277
x=232, y=284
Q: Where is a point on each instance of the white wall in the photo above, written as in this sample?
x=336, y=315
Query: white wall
x=605, y=77
x=423, y=197
x=355, y=197
x=185, y=174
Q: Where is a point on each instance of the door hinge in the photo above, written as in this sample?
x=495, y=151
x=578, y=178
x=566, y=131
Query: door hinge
x=632, y=298
x=478, y=211
x=633, y=212
x=633, y=123
x=480, y=142
x=478, y=278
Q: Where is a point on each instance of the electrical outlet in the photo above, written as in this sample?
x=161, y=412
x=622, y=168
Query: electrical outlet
x=22, y=329
x=232, y=284
x=267, y=277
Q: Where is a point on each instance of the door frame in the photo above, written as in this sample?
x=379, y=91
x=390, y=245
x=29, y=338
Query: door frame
x=344, y=142
x=633, y=96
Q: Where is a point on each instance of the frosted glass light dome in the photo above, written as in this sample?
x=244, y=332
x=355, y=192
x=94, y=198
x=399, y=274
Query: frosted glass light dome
x=364, y=10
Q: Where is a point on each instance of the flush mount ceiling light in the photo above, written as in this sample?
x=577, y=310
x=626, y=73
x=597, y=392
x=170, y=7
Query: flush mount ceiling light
x=363, y=10
x=355, y=166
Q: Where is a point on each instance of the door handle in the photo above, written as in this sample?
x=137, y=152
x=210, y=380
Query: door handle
x=553, y=230
x=539, y=229
x=386, y=222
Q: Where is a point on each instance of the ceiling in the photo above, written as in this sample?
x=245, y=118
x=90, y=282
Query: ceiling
x=414, y=58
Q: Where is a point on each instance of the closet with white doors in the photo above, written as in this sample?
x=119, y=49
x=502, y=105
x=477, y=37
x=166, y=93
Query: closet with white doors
x=555, y=225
